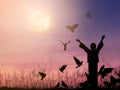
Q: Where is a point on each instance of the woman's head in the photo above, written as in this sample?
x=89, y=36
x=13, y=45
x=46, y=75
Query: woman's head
x=93, y=46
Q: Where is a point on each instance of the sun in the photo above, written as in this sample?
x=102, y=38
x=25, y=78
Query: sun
x=40, y=21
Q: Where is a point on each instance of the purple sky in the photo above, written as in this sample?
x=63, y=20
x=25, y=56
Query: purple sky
x=22, y=47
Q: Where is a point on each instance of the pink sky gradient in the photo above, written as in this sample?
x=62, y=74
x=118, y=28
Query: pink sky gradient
x=22, y=47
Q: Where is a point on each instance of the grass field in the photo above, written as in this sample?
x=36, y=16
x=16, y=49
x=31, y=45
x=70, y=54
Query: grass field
x=5, y=88
x=32, y=81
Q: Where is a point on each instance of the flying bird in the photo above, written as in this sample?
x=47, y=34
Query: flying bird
x=113, y=81
x=57, y=85
x=87, y=75
x=78, y=40
x=43, y=75
x=77, y=61
x=62, y=68
x=101, y=69
x=88, y=15
x=64, y=84
x=104, y=71
x=65, y=44
x=72, y=28
x=84, y=84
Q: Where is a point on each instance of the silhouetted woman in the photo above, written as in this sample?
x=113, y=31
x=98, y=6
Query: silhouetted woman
x=92, y=59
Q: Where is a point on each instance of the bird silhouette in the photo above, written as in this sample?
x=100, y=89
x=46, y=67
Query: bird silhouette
x=77, y=61
x=84, y=84
x=78, y=40
x=88, y=15
x=87, y=75
x=107, y=84
x=43, y=75
x=57, y=85
x=65, y=44
x=62, y=68
x=101, y=69
x=113, y=81
x=118, y=80
x=72, y=28
x=104, y=71
x=64, y=84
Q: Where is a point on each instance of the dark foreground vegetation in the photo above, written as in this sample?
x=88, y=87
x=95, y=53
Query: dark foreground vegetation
x=75, y=81
x=6, y=88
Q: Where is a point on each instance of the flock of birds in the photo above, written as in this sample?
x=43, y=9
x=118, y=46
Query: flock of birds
x=113, y=81
x=103, y=72
x=72, y=29
x=77, y=61
x=62, y=69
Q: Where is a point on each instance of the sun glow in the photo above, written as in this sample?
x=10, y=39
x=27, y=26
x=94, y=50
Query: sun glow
x=40, y=21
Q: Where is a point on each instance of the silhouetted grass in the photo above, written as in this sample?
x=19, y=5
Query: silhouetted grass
x=5, y=88
x=32, y=81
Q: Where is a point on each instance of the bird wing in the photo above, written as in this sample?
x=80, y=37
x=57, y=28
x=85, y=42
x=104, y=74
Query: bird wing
x=61, y=42
x=101, y=69
x=88, y=14
x=68, y=42
x=57, y=85
x=106, y=71
x=84, y=84
x=72, y=28
x=77, y=40
x=43, y=75
x=113, y=80
x=87, y=75
x=75, y=26
x=76, y=60
x=62, y=68
x=69, y=27
x=64, y=84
